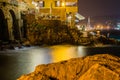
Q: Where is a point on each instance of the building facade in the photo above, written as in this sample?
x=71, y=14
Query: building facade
x=11, y=23
x=63, y=10
x=9, y=20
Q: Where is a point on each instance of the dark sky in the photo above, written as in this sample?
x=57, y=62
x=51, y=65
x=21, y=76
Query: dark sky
x=99, y=7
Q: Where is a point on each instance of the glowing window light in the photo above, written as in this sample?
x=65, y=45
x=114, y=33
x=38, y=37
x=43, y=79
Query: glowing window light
x=63, y=4
x=58, y=3
x=71, y=3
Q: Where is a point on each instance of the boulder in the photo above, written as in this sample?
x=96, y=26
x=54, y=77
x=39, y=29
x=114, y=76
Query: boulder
x=96, y=67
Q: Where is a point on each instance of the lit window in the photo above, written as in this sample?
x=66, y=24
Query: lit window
x=63, y=4
x=41, y=4
x=57, y=3
x=71, y=3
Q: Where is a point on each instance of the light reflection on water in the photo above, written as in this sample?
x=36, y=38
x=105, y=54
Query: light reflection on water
x=22, y=61
x=81, y=51
x=60, y=53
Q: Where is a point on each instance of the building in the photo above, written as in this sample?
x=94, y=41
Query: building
x=9, y=20
x=12, y=23
x=63, y=10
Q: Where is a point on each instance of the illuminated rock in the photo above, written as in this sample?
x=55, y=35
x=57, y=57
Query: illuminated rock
x=97, y=67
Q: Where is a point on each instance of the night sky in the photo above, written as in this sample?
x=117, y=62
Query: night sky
x=99, y=7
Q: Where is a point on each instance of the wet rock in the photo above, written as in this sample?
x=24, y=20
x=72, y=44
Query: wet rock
x=11, y=47
x=97, y=67
x=99, y=72
x=26, y=43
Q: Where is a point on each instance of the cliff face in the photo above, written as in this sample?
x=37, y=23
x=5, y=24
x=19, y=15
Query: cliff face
x=97, y=67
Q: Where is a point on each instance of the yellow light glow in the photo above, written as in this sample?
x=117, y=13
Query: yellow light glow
x=60, y=53
x=63, y=4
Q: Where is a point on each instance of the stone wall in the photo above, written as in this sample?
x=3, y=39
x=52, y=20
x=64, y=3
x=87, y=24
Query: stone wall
x=6, y=7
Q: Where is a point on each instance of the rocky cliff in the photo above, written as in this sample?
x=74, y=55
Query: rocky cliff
x=96, y=67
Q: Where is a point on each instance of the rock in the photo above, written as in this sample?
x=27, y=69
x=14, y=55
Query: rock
x=27, y=43
x=39, y=76
x=99, y=72
x=97, y=67
x=11, y=47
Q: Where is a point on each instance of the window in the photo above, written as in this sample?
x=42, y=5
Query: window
x=71, y=3
x=38, y=3
x=41, y=4
x=57, y=3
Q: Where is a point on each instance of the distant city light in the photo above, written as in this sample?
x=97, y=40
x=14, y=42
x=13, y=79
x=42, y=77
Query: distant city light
x=108, y=27
x=117, y=26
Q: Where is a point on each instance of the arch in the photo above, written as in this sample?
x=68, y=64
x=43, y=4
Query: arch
x=15, y=27
x=24, y=26
x=4, y=34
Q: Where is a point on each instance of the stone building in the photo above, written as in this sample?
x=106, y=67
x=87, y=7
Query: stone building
x=63, y=10
x=10, y=26
x=12, y=23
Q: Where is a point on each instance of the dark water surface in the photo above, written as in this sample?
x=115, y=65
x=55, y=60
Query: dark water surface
x=14, y=63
